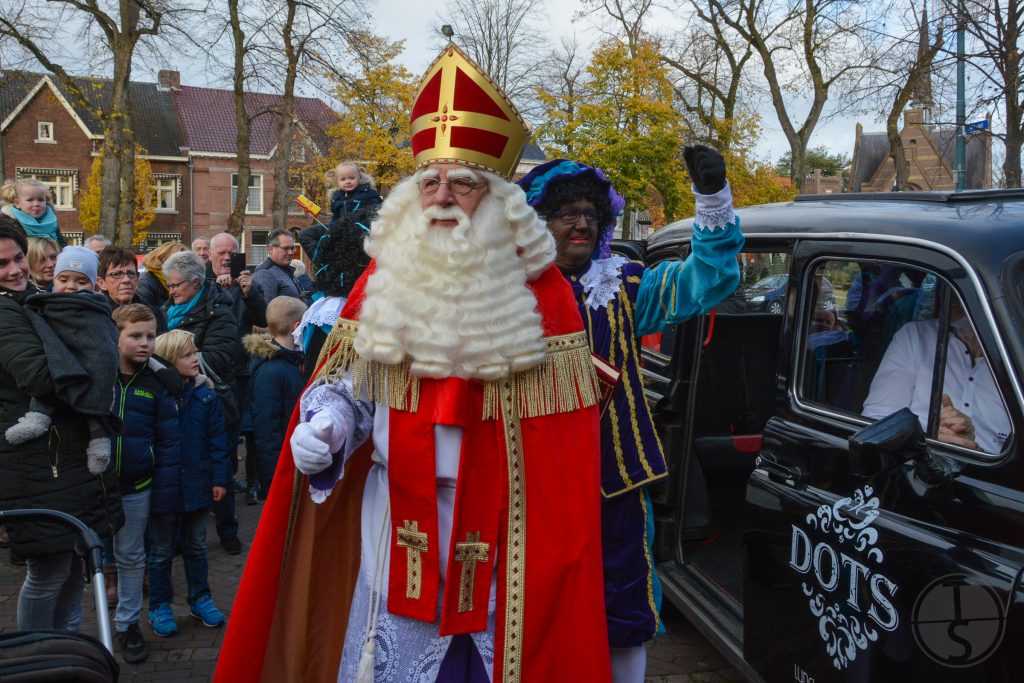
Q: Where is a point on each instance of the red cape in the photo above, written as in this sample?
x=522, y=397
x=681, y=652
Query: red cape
x=290, y=614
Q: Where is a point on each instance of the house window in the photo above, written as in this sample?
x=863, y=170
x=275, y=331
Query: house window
x=167, y=188
x=257, y=252
x=63, y=183
x=254, y=205
x=44, y=132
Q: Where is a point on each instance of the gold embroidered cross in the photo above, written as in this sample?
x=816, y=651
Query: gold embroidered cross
x=415, y=542
x=469, y=553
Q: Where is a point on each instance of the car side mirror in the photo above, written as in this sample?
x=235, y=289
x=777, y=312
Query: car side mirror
x=898, y=437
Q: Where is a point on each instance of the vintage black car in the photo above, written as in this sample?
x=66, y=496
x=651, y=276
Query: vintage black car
x=813, y=527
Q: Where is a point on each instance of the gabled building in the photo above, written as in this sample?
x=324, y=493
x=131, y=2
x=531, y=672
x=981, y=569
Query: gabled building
x=930, y=152
x=207, y=118
x=188, y=135
x=50, y=134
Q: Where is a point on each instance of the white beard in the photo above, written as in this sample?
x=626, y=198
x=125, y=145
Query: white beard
x=455, y=301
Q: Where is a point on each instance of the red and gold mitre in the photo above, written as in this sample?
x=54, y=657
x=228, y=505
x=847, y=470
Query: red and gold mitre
x=460, y=116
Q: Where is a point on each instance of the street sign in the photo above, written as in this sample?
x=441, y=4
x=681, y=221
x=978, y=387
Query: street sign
x=976, y=127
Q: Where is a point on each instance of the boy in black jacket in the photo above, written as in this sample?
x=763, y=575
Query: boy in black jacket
x=146, y=458
x=277, y=382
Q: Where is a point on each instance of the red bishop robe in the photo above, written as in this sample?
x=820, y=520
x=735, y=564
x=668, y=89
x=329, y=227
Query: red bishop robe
x=290, y=615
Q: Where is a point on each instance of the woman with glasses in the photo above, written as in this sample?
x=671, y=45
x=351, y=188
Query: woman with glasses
x=152, y=289
x=202, y=308
x=620, y=301
x=119, y=280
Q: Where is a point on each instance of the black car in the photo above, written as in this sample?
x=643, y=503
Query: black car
x=813, y=527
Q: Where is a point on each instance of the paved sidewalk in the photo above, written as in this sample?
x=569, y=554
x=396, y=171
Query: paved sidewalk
x=191, y=655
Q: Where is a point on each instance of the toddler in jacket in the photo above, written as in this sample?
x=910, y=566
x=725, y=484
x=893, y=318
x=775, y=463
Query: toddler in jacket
x=73, y=321
x=275, y=384
x=205, y=477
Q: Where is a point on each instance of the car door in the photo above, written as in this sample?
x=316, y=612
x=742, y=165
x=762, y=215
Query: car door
x=872, y=553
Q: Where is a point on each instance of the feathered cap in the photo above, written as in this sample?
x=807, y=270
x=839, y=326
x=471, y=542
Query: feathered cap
x=539, y=181
x=460, y=116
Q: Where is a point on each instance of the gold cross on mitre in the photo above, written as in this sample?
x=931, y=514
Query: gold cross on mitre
x=460, y=116
x=468, y=554
x=415, y=542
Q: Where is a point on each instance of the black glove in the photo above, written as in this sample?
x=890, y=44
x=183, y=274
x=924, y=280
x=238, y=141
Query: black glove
x=706, y=167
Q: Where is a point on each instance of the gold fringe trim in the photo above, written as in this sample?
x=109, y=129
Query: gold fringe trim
x=564, y=382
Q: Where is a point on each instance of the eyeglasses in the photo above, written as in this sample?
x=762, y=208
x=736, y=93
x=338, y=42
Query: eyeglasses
x=122, y=274
x=573, y=217
x=172, y=286
x=457, y=186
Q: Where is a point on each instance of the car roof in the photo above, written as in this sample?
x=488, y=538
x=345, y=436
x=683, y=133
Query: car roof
x=982, y=224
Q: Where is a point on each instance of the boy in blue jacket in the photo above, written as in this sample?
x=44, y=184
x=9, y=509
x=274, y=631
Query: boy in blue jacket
x=205, y=477
x=276, y=383
x=146, y=459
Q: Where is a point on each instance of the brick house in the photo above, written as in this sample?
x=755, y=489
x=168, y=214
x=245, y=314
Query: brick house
x=188, y=135
x=207, y=118
x=46, y=134
x=930, y=152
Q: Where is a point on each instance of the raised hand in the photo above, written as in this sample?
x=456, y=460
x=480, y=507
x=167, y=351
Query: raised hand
x=706, y=167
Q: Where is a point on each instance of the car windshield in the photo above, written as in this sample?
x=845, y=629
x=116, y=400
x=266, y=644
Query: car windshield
x=770, y=282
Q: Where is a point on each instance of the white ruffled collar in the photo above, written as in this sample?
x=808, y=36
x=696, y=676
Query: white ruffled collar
x=602, y=280
x=324, y=311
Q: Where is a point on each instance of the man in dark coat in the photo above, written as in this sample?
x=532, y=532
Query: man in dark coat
x=275, y=276
x=250, y=309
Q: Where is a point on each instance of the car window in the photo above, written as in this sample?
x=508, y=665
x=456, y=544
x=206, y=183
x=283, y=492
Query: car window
x=764, y=278
x=870, y=345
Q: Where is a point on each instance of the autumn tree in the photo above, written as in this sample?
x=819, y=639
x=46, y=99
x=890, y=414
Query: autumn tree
x=997, y=29
x=561, y=91
x=376, y=94
x=628, y=125
x=807, y=50
x=144, y=198
x=708, y=67
x=503, y=38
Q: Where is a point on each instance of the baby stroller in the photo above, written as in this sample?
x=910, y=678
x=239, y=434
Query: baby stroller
x=43, y=656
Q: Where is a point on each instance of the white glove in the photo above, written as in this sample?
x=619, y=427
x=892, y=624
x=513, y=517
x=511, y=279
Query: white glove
x=313, y=442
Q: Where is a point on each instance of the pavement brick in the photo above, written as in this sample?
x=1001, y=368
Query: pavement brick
x=681, y=655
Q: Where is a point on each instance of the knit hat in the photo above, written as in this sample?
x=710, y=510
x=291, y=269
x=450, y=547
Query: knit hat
x=78, y=260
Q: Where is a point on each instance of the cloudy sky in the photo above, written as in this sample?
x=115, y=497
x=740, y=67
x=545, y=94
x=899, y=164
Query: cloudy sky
x=412, y=21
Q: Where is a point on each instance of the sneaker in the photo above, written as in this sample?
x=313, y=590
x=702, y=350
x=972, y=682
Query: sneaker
x=133, y=646
x=232, y=546
x=205, y=611
x=162, y=621
x=252, y=496
x=240, y=486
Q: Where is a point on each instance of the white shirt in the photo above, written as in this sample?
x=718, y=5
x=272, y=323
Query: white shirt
x=904, y=380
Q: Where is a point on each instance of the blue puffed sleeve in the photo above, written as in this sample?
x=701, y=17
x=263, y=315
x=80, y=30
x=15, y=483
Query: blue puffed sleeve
x=673, y=291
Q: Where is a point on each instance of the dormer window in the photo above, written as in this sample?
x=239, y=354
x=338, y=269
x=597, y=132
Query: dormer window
x=44, y=132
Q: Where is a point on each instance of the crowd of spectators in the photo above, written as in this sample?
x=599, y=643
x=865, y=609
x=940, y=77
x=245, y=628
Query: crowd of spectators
x=190, y=357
